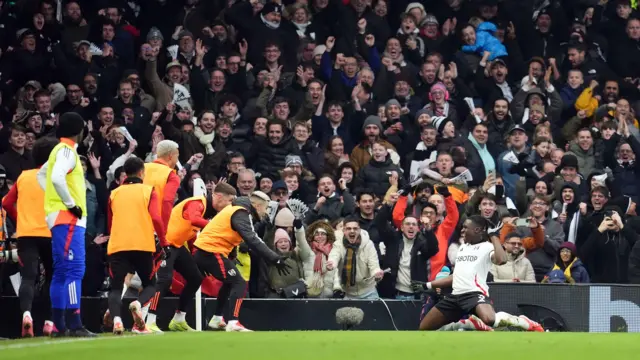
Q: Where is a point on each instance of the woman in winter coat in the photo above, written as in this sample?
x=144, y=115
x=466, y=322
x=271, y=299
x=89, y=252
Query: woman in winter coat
x=320, y=237
x=568, y=268
x=375, y=175
x=295, y=257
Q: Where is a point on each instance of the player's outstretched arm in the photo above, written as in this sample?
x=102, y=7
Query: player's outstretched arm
x=241, y=223
x=419, y=286
x=499, y=256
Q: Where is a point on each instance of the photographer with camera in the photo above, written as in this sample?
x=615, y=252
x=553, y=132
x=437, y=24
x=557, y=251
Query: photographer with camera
x=606, y=251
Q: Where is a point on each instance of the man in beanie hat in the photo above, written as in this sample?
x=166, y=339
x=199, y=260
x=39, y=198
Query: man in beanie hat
x=266, y=30
x=65, y=206
x=271, y=15
x=440, y=103
x=398, y=126
x=293, y=160
x=569, y=171
x=155, y=37
x=426, y=149
x=417, y=10
x=361, y=154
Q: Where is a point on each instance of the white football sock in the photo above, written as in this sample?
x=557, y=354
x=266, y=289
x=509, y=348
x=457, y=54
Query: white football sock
x=232, y=322
x=179, y=316
x=151, y=318
x=117, y=320
x=464, y=324
x=145, y=312
x=25, y=314
x=505, y=319
x=456, y=326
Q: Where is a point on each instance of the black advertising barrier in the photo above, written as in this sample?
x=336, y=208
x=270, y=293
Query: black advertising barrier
x=592, y=308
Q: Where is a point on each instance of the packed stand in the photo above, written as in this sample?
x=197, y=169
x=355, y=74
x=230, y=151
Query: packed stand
x=393, y=121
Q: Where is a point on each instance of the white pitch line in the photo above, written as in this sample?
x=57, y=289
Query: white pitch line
x=62, y=341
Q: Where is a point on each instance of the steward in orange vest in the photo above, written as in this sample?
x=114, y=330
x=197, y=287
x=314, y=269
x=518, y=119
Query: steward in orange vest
x=227, y=230
x=187, y=218
x=161, y=175
x=133, y=218
x=25, y=207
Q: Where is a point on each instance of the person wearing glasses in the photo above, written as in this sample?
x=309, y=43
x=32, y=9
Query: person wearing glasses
x=518, y=268
x=541, y=254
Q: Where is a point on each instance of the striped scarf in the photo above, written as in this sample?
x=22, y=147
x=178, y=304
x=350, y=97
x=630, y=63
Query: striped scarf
x=350, y=261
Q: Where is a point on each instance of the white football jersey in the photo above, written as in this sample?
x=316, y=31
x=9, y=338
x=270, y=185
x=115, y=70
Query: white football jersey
x=472, y=267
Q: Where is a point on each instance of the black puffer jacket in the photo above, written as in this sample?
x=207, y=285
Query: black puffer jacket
x=375, y=176
x=269, y=159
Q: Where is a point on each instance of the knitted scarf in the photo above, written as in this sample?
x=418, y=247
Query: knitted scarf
x=205, y=139
x=350, y=261
x=320, y=250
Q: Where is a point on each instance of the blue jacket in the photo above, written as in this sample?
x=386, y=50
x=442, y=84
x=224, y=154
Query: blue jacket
x=559, y=274
x=486, y=41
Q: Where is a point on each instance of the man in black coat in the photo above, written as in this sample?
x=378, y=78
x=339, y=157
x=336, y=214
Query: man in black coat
x=268, y=157
x=407, y=252
x=606, y=251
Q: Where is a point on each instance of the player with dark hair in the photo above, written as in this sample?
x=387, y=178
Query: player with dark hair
x=222, y=234
x=65, y=207
x=133, y=217
x=187, y=218
x=25, y=207
x=470, y=292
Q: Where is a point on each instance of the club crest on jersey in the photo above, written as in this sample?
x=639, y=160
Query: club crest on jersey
x=231, y=272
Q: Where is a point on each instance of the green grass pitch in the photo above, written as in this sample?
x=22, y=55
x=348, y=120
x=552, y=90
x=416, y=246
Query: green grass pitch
x=326, y=345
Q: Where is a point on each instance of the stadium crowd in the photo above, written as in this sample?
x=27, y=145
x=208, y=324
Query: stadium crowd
x=393, y=121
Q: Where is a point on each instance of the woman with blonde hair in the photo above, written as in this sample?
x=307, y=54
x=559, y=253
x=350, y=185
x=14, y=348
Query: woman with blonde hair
x=301, y=18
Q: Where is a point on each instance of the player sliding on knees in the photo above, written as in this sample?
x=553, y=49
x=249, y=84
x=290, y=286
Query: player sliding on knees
x=222, y=234
x=470, y=293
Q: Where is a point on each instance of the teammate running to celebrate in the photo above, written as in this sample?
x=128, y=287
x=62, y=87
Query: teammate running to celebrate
x=187, y=218
x=133, y=217
x=470, y=293
x=25, y=205
x=223, y=233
